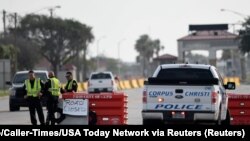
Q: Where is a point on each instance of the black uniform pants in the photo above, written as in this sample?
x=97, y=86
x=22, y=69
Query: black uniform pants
x=35, y=105
x=51, y=106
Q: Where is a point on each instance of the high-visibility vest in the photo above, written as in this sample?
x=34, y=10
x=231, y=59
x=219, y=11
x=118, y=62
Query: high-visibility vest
x=36, y=88
x=55, y=86
x=70, y=83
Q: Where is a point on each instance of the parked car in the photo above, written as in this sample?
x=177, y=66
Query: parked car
x=101, y=82
x=16, y=92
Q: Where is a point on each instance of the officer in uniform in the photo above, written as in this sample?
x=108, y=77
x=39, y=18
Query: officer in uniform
x=52, y=87
x=33, y=88
x=71, y=85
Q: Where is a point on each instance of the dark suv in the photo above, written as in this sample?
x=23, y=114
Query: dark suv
x=16, y=92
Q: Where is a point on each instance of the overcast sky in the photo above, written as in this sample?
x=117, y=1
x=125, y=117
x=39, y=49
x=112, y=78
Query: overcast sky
x=123, y=21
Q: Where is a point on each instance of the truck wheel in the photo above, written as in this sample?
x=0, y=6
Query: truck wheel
x=152, y=122
x=218, y=122
x=145, y=122
x=227, y=120
x=14, y=108
x=92, y=118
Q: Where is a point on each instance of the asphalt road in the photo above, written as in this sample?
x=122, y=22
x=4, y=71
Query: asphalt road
x=134, y=108
x=22, y=117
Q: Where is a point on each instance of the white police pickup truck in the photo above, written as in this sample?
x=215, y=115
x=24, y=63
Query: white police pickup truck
x=179, y=93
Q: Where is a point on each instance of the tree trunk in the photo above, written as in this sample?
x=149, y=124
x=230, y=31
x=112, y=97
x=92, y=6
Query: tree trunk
x=144, y=63
x=13, y=60
x=84, y=64
x=144, y=67
x=78, y=66
x=55, y=68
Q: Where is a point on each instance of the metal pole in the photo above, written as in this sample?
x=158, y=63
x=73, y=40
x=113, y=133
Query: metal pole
x=119, y=57
x=51, y=17
x=237, y=13
x=119, y=62
x=4, y=75
x=15, y=43
x=51, y=12
x=243, y=72
x=97, y=52
x=4, y=22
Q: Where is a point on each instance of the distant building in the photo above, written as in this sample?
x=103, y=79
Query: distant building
x=165, y=59
x=212, y=38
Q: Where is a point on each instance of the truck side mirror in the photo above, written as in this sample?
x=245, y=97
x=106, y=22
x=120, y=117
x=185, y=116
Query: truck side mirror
x=230, y=86
x=8, y=83
x=116, y=78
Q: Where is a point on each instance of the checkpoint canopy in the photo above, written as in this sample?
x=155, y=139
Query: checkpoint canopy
x=210, y=37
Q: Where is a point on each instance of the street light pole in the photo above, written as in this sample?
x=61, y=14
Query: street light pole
x=237, y=13
x=52, y=9
x=97, y=52
x=4, y=23
x=119, y=57
x=242, y=57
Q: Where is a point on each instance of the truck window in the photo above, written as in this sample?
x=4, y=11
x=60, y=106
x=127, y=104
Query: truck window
x=220, y=77
x=185, y=73
x=101, y=76
x=20, y=78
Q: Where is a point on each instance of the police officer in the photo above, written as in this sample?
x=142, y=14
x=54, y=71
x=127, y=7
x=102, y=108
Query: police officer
x=71, y=85
x=52, y=87
x=33, y=88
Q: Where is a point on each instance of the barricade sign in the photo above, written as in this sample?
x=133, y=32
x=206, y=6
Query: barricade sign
x=76, y=107
x=110, y=108
x=73, y=111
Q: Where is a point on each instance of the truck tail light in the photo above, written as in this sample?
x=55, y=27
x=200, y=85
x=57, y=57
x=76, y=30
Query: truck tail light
x=160, y=99
x=214, y=97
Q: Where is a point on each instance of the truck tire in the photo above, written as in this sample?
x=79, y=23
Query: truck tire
x=227, y=120
x=92, y=118
x=152, y=122
x=219, y=121
x=145, y=122
x=14, y=108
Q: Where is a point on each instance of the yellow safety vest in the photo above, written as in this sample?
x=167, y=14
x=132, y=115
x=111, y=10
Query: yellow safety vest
x=55, y=87
x=36, y=88
x=69, y=85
